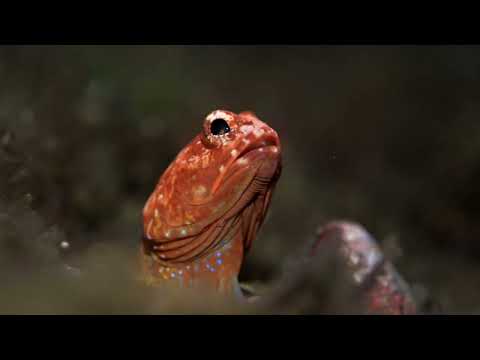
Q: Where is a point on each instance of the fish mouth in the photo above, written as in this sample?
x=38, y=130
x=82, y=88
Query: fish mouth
x=257, y=154
x=262, y=159
x=268, y=143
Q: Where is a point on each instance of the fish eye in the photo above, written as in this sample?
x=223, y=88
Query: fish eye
x=219, y=127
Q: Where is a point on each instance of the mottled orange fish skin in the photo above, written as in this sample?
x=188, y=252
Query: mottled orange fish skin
x=210, y=202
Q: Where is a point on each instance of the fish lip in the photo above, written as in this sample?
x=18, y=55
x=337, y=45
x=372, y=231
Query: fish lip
x=234, y=166
x=269, y=141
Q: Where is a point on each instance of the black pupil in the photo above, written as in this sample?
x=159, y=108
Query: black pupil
x=219, y=127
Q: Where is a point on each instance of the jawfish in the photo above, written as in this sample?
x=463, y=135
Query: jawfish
x=207, y=207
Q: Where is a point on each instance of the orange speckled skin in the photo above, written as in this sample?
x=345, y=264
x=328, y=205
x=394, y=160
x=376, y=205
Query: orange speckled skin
x=209, y=204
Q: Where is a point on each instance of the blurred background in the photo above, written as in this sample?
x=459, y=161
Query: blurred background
x=387, y=136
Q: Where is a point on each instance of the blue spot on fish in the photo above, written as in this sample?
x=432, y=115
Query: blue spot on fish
x=219, y=261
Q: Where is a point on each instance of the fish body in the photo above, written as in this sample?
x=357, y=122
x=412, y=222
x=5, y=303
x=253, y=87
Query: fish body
x=209, y=204
x=381, y=287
